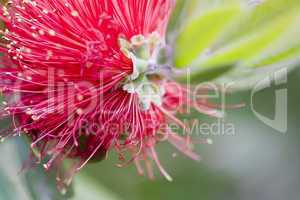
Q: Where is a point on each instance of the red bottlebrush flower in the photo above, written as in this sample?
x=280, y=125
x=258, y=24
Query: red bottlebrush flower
x=86, y=78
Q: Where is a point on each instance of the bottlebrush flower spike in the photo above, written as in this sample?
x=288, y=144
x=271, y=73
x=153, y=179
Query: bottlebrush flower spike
x=86, y=78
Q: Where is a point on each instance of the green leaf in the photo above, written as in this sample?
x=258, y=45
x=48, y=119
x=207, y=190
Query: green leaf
x=202, y=32
x=256, y=17
x=283, y=49
x=285, y=54
x=256, y=36
x=250, y=45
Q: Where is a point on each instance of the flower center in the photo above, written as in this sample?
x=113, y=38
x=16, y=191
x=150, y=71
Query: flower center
x=145, y=55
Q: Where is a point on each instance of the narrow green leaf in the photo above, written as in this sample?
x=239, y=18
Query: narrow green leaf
x=286, y=54
x=250, y=45
x=256, y=17
x=201, y=33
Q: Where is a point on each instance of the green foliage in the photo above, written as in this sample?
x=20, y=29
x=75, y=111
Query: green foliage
x=228, y=39
x=202, y=32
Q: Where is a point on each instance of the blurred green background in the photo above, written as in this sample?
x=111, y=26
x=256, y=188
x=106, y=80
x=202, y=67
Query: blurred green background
x=224, y=41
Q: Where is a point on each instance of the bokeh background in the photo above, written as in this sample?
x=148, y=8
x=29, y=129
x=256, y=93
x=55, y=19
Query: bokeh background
x=223, y=41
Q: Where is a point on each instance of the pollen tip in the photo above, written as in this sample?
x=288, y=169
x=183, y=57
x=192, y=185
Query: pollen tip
x=79, y=111
x=119, y=165
x=74, y=13
x=46, y=166
x=52, y=32
x=169, y=178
